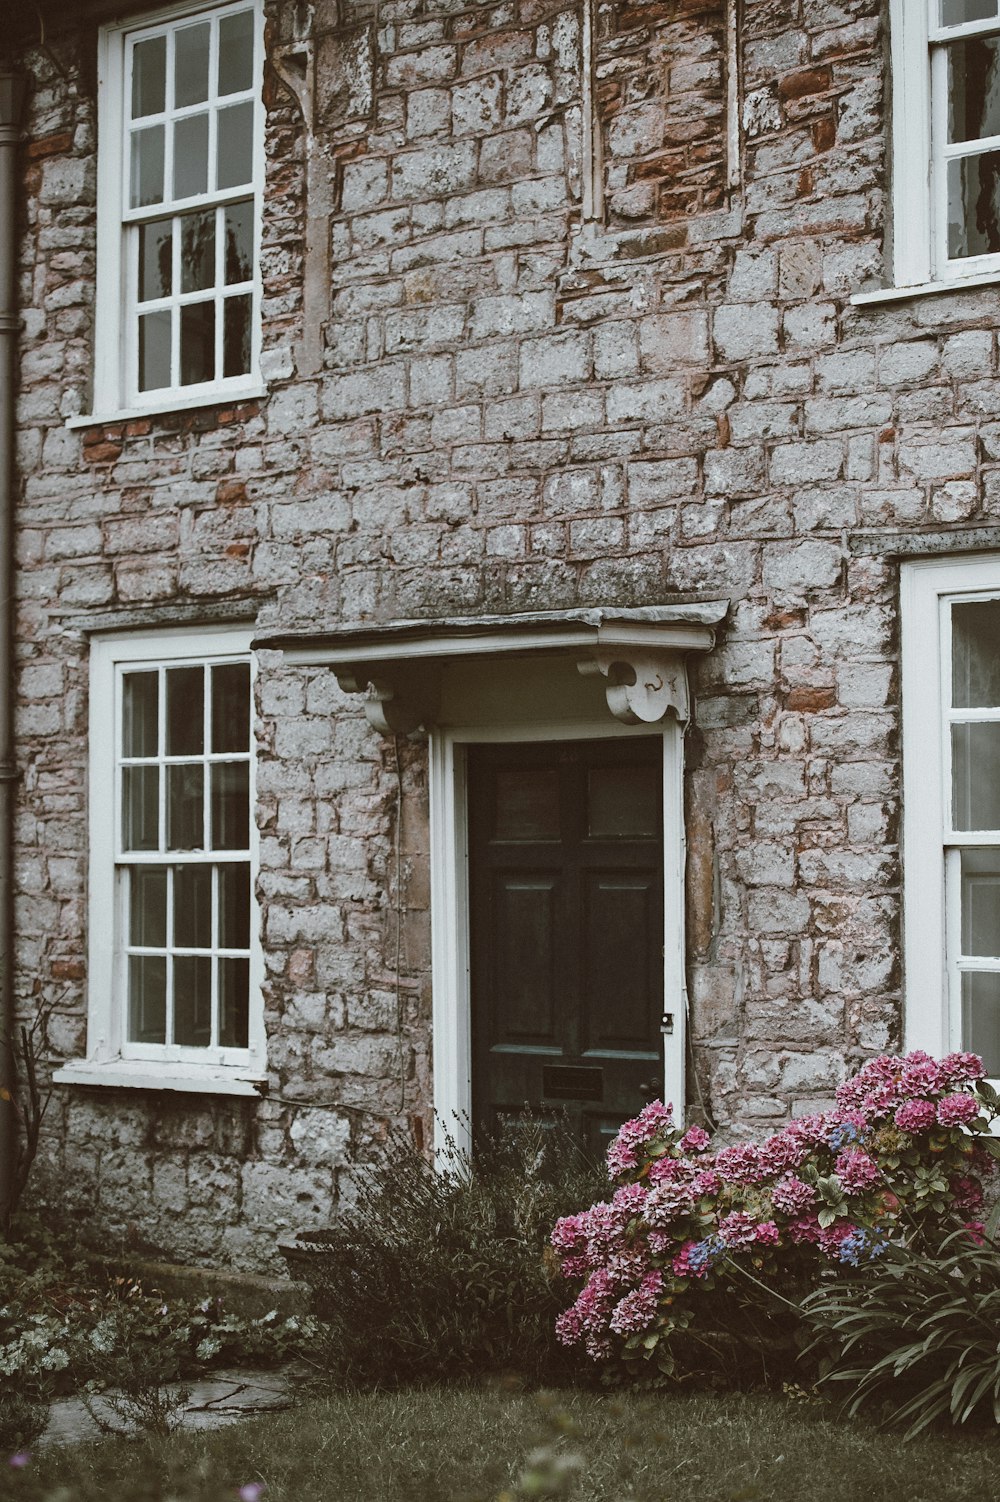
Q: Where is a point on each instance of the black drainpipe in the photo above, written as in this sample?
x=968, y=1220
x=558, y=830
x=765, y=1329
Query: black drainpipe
x=12, y=90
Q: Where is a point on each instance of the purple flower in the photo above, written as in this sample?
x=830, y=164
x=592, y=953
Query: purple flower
x=957, y=1110
x=738, y=1229
x=695, y=1140
x=637, y=1310
x=856, y=1171
x=791, y=1196
x=915, y=1116
x=252, y=1491
x=19, y=1459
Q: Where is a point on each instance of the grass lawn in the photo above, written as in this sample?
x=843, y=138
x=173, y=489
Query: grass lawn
x=456, y=1445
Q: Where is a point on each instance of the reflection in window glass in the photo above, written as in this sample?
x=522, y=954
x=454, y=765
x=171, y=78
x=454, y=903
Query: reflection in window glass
x=975, y=763
x=234, y=997
x=185, y=711
x=193, y=907
x=231, y=707
x=148, y=907
x=198, y=252
x=236, y=336
x=239, y=241
x=974, y=205
x=234, y=906
x=975, y=655
x=191, y=64
x=981, y=1017
x=156, y=246
x=235, y=145
x=974, y=89
x=185, y=806
x=197, y=342
x=147, y=989
x=149, y=77
x=147, y=166
x=192, y=1000
x=236, y=52
x=230, y=805
x=191, y=156
x=154, y=350
x=141, y=808
x=959, y=12
x=140, y=713
x=981, y=903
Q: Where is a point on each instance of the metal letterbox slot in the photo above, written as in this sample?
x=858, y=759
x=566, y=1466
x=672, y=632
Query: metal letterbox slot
x=572, y=1082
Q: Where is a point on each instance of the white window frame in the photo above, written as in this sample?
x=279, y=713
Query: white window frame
x=931, y=849
x=116, y=393
x=110, y=1058
x=920, y=153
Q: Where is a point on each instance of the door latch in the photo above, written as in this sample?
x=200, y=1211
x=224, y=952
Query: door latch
x=667, y=1023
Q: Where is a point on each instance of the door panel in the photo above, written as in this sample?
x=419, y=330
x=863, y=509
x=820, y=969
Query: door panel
x=566, y=905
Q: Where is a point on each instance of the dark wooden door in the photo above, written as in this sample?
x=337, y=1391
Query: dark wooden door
x=566, y=901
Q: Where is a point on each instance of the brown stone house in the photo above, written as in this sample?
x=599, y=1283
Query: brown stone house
x=507, y=573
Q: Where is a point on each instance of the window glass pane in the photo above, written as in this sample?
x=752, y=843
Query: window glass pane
x=239, y=242
x=193, y=1000
x=190, y=156
x=147, y=166
x=185, y=799
x=236, y=336
x=147, y=926
x=193, y=907
x=155, y=259
x=624, y=802
x=981, y=1018
x=198, y=252
x=974, y=205
x=231, y=805
x=975, y=655
x=981, y=903
x=974, y=89
x=235, y=159
x=191, y=64
x=149, y=77
x=231, y=707
x=154, y=350
x=234, y=907
x=975, y=761
x=236, y=52
x=140, y=808
x=527, y=806
x=234, y=994
x=197, y=343
x=147, y=998
x=140, y=701
x=185, y=711
x=958, y=12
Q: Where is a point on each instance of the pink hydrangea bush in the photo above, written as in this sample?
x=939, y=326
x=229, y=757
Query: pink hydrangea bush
x=906, y=1147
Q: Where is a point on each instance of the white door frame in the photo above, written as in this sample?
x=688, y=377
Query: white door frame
x=450, y=944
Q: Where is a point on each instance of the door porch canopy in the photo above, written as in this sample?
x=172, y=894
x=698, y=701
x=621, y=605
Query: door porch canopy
x=641, y=653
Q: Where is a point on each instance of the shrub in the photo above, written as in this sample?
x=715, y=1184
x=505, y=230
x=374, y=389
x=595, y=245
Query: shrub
x=442, y=1274
x=921, y=1333
x=690, y=1239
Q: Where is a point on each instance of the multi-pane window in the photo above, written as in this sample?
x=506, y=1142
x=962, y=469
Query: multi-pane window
x=181, y=143
x=946, y=107
x=183, y=856
x=951, y=804
x=973, y=839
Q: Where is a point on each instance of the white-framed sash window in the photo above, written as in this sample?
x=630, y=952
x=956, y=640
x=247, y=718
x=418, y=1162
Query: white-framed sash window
x=174, y=957
x=951, y=804
x=946, y=140
x=180, y=173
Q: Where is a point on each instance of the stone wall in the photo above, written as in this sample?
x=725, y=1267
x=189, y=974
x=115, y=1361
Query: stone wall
x=477, y=405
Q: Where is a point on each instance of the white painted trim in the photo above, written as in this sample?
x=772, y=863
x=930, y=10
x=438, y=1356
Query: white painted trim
x=932, y=1017
x=677, y=636
x=450, y=942
x=122, y=1074
x=925, y=289
x=115, y=393
x=106, y=1046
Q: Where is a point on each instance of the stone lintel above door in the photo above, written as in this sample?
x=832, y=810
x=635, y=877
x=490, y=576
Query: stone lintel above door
x=641, y=653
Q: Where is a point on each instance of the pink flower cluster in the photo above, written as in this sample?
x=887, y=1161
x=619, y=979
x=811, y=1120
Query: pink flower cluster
x=828, y=1187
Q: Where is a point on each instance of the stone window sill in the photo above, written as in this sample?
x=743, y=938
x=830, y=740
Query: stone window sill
x=168, y=404
x=136, y=1074
x=922, y=289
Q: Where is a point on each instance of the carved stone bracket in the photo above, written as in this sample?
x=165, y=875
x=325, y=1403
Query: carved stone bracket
x=644, y=683
x=396, y=704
